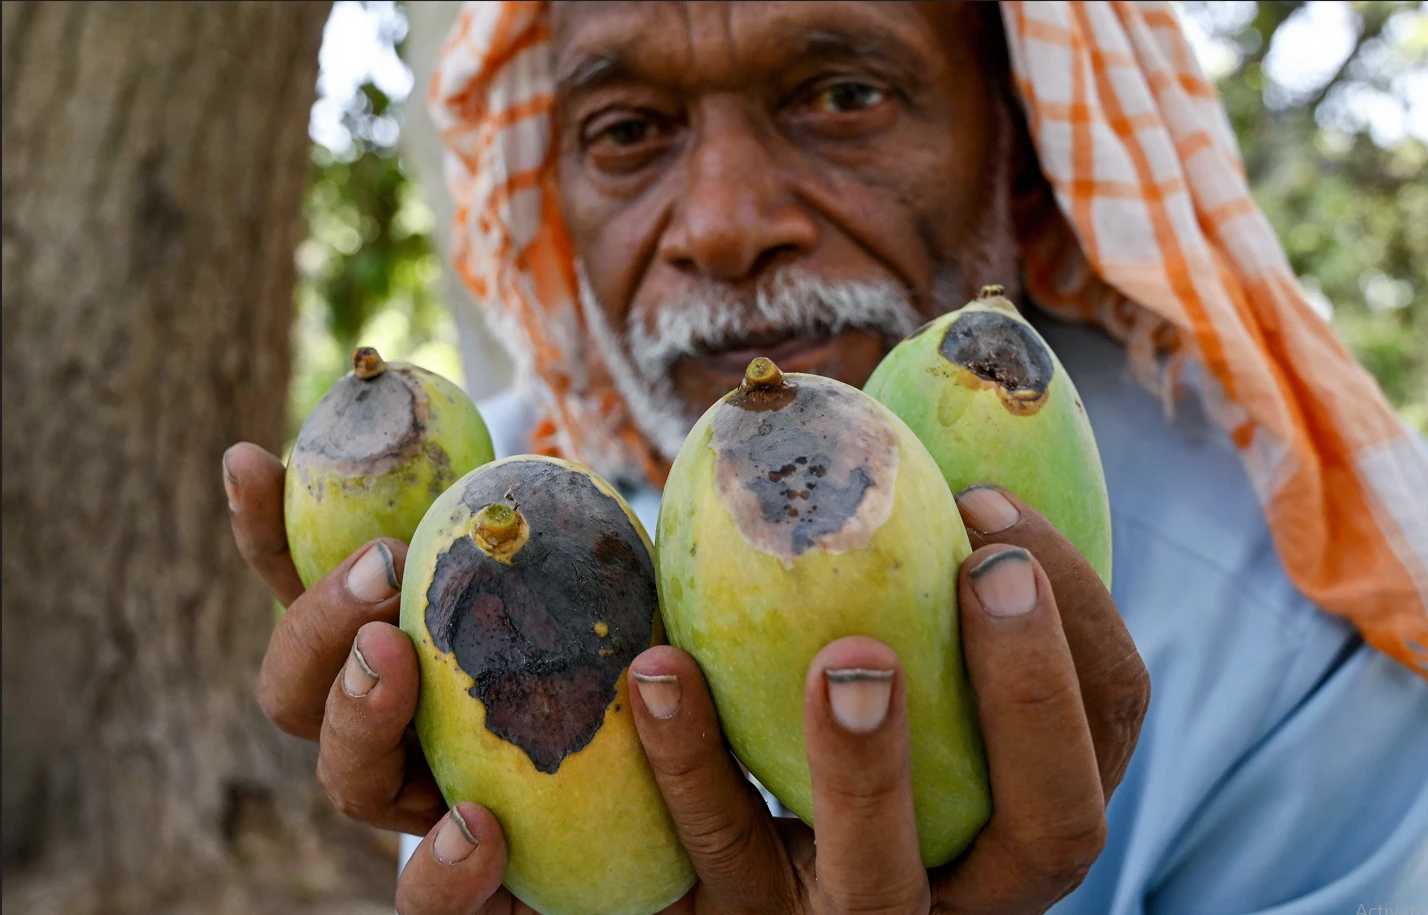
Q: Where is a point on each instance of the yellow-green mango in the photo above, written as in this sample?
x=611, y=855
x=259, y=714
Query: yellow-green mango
x=377, y=450
x=992, y=403
x=529, y=588
x=800, y=511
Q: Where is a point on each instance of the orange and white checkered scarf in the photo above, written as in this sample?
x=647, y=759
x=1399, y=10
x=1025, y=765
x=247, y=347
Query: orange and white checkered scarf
x=1154, y=237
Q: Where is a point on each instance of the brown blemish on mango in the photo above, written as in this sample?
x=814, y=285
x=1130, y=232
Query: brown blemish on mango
x=802, y=464
x=442, y=475
x=372, y=421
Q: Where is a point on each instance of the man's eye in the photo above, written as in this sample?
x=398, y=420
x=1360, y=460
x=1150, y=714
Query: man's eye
x=629, y=132
x=845, y=97
x=625, y=141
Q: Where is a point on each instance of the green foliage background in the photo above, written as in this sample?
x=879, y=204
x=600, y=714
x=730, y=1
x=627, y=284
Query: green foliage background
x=1351, y=208
x=1351, y=212
x=368, y=273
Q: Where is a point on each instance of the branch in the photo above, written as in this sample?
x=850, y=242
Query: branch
x=1372, y=29
x=1268, y=18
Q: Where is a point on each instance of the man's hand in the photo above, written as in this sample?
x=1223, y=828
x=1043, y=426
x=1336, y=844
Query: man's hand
x=337, y=670
x=1062, y=692
x=1061, y=696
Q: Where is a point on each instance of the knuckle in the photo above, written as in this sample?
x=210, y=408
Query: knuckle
x=303, y=636
x=679, y=764
x=1128, y=683
x=409, y=896
x=1064, y=854
x=1137, y=700
x=720, y=841
x=1043, y=694
x=903, y=897
x=268, y=700
x=338, y=791
x=278, y=710
x=861, y=800
x=1127, y=700
x=243, y=539
x=362, y=787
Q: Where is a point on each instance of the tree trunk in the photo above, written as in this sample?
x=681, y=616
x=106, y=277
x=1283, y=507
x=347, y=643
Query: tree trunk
x=154, y=162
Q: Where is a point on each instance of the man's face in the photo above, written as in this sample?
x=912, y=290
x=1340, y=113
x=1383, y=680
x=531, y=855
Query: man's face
x=806, y=181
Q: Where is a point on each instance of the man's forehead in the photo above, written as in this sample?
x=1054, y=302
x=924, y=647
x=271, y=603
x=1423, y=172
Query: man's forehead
x=570, y=11
x=588, y=35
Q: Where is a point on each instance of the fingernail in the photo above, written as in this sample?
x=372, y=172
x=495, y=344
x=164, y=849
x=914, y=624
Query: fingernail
x=373, y=577
x=230, y=484
x=985, y=510
x=660, y=692
x=454, y=842
x=859, y=697
x=1005, y=582
x=358, y=677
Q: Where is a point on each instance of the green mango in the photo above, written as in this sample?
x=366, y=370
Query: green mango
x=992, y=403
x=800, y=511
x=529, y=589
x=377, y=450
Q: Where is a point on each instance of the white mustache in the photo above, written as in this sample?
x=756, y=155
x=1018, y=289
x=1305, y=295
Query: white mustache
x=655, y=338
x=793, y=302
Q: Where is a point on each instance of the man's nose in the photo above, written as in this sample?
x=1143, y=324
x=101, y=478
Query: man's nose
x=737, y=216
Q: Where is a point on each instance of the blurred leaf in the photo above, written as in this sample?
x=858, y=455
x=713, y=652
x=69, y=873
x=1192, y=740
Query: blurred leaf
x=368, y=269
x=1346, y=196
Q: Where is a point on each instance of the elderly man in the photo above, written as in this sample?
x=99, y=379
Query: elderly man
x=650, y=194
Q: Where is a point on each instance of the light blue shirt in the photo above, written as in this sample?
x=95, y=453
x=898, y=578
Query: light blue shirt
x=1283, y=765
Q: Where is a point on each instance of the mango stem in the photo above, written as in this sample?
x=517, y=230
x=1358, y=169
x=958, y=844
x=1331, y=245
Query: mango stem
x=991, y=292
x=500, y=531
x=498, y=522
x=367, y=363
x=763, y=375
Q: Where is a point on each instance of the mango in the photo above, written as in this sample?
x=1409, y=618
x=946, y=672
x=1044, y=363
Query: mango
x=377, y=450
x=800, y=511
x=529, y=588
x=992, y=403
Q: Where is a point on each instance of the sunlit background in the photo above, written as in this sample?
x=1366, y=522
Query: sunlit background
x=1329, y=101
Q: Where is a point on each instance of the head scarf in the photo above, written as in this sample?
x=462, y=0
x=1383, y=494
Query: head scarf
x=1151, y=234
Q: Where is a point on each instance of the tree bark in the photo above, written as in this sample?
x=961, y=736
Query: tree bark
x=154, y=162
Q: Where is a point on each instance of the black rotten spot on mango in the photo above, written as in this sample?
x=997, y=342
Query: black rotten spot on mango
x=1003, y=351
x=529, y=630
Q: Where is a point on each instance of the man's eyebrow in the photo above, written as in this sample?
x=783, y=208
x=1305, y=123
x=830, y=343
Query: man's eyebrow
x=866, y=42
x=589, y=70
